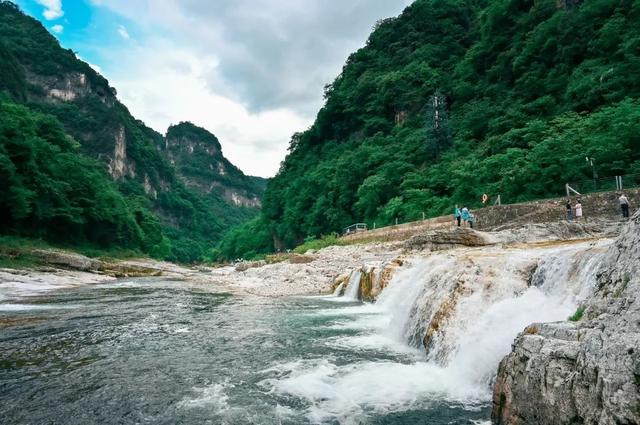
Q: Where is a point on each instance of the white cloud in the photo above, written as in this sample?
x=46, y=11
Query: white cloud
x=123, y=32
x=58, y=29
x=53, y=9
x=250, y=71
x=162, y=85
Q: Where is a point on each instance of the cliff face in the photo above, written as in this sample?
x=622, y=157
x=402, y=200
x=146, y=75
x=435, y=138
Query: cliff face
x=198, y=158
x=583, y=372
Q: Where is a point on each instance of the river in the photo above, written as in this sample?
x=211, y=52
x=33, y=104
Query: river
x=165, y=352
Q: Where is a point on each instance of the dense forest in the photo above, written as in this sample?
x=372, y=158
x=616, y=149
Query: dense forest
x=453, y=99
x=78, y=170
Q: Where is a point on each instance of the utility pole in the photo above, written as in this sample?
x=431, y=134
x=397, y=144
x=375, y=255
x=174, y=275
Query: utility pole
x=593, y=170
x=438, y=134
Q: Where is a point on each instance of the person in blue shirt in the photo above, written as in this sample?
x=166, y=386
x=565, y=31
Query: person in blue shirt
x=458, y=215
x=467, y=217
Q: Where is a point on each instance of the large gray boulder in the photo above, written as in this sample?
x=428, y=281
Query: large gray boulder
x=583, y=372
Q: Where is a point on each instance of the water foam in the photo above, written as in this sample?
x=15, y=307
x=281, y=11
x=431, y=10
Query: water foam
x=474, y=302
x=353, y=287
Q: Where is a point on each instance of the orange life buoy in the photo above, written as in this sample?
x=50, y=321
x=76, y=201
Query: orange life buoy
x=485, y=198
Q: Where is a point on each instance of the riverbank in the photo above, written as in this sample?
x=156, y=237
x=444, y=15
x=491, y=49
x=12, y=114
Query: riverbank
x=313, y=273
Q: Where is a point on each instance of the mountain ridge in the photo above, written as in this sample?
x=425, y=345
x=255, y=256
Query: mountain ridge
x=39, y=74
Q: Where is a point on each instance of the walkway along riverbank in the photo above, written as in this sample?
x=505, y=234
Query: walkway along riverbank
x=600, y=206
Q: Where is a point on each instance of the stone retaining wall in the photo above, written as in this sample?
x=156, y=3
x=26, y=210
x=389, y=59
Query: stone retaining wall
x=602, y=205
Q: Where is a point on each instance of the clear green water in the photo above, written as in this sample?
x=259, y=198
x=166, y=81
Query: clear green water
x=162, y=352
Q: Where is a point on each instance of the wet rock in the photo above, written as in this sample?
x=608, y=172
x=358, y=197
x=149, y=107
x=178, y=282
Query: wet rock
x=343, y=280
x=585, y=372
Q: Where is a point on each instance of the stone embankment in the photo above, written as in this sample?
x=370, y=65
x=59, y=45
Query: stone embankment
x=587, y=371
x=597, y=208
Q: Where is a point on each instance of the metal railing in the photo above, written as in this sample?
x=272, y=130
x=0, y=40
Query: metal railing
x=604, y=184
x=355, y=228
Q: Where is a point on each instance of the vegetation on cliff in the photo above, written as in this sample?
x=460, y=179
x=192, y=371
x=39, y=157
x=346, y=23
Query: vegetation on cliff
x=453, y=99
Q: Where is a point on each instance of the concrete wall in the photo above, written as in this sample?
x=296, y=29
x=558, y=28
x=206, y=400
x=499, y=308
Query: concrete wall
x=602, y=205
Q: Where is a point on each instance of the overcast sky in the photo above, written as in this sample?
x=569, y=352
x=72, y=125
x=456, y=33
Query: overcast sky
x=250, y=71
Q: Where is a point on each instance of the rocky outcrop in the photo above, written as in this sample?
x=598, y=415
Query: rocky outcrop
x=240, y=200
x=374, y=277
x=587, y=371
x=67, y=260
x=447, y=238
x=197, y=155
x=119, y=166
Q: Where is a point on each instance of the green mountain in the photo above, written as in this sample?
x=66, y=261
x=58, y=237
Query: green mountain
x=82, y=170
x=197, y=156
x=456, y=98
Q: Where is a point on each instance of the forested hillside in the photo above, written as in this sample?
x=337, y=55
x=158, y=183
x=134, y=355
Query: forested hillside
x=454, y=99
x=77, y=168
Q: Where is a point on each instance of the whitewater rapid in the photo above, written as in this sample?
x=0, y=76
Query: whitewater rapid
x=472, y=301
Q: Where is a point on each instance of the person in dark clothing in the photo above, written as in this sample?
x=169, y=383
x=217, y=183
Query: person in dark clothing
x=569, y=210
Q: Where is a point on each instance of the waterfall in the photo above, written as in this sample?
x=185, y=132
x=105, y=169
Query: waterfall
x=440, y=327
x=353, y=287
x=465, y=307
x=338, y=290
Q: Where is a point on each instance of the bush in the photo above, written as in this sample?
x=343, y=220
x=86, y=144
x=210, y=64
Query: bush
x=577, y=315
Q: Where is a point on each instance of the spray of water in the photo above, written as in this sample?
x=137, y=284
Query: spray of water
x=466, y=306
x=353, y=286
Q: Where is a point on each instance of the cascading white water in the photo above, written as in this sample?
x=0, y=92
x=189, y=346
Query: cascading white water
x=338, y=290
x=470, y=303
x=473, y=303
x=354, y=285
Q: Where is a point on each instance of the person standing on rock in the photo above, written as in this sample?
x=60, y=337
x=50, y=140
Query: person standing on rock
x=569, y=211
x=624, y=205
x=467, y=217
x=458, y=215
x=578, y=209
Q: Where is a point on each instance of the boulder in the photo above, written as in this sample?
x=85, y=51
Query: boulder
x=67, y=260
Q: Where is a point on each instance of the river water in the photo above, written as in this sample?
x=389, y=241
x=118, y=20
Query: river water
x=164, y=352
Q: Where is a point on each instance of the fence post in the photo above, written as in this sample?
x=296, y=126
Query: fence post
x=396, y=221
x=423, y=216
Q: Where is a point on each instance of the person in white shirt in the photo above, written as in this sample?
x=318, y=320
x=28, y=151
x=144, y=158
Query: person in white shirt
x=578, y=209
x=624, y=205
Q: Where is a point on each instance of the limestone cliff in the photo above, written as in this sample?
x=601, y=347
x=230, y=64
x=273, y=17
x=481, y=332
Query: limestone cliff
x=197, y=156
x=585, y=371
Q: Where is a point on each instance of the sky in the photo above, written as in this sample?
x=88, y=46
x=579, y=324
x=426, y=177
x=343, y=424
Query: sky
x=250, y=71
